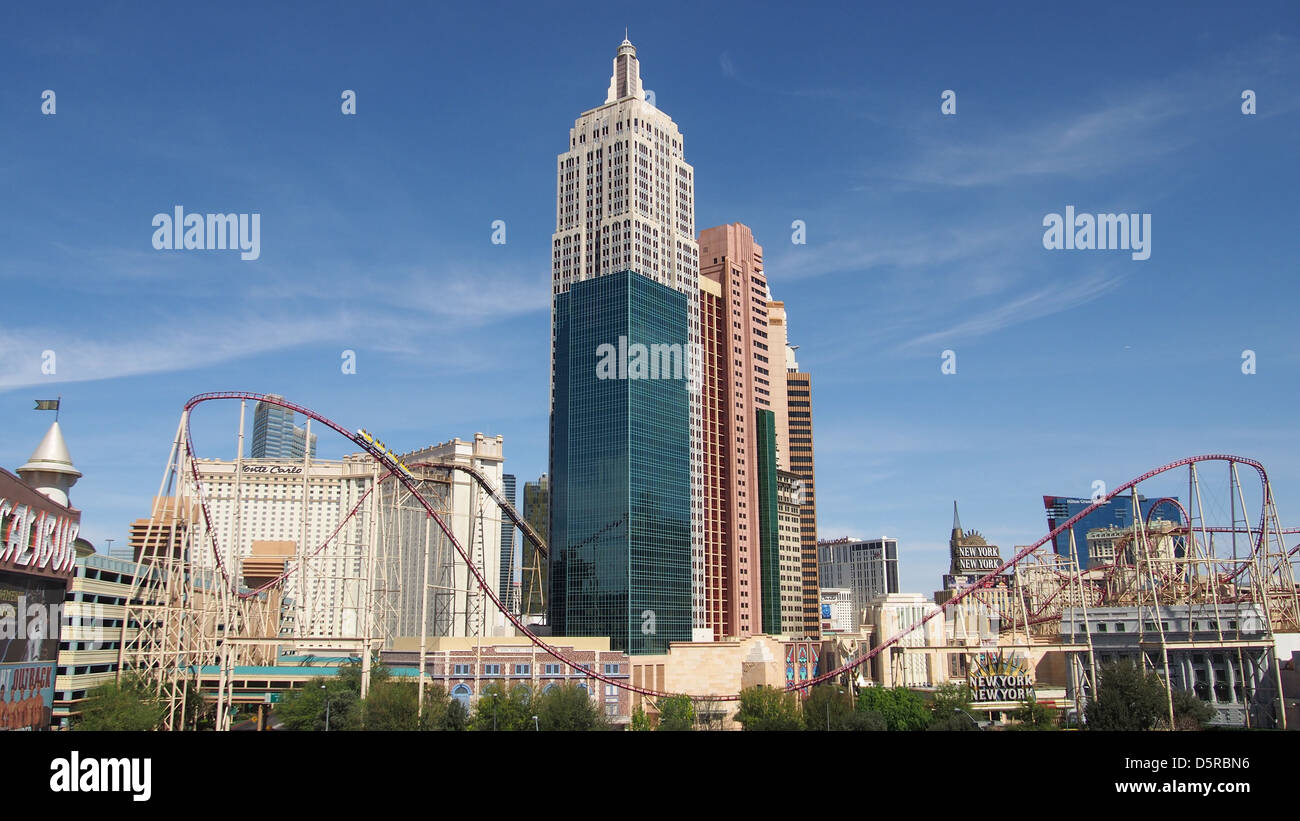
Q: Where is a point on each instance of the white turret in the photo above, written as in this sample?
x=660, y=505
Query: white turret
x=50, y=470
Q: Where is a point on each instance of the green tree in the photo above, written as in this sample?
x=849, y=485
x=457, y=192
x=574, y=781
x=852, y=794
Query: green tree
x=116, y=706
x=950, y=709
x=640, y=723
x=1034, y=716
x=868, y=721
x=676, y=713
x=766, y=708
x=567, y=708
x=441, y=711
x=200, y=714
x=1190, y=713
x=1127, y=699
x=829, y=707
x=307, y=708
x=392, y=705
x=956, y=721
x=497, y=710
x=901, y=708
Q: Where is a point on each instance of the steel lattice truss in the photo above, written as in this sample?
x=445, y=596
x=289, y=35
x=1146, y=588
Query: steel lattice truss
x=185, y=613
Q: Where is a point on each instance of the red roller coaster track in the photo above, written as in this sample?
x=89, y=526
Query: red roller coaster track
x=394, y=470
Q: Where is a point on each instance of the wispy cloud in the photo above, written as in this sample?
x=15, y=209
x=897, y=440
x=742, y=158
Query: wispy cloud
x=1034, y=305
x=171, y=346
x=1154, y=120
x=863, y=252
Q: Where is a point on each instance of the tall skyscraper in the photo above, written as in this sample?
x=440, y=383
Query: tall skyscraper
x=509, y=579
x=867, y=567
x=739, y=443
x=626, y=531
x=776, y=343
x=537, y=512
x=275, y=436
x=799, y=411
x=1117, y=513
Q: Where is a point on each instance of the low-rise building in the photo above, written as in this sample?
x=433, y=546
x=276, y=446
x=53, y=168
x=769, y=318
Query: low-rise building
x=1224, y=653
x=466, y=665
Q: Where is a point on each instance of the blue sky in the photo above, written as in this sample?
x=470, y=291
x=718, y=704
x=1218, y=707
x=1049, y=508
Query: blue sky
x=924, y=232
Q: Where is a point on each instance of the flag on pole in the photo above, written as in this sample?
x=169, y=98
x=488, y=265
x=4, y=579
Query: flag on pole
x=47, y=404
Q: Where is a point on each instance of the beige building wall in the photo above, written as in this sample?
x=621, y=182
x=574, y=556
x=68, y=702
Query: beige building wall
x=777, y=341
x=476, y=521
x=705, y=668
x=790, y=549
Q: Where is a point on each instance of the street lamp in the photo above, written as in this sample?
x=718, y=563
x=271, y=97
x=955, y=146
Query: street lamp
x=536, y=726
x=327, y=709
x=968, y=717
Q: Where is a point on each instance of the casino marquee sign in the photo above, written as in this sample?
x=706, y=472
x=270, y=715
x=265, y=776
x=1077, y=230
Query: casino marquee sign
x=994, y=677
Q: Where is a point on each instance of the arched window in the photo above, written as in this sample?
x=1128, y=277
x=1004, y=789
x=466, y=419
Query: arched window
x=461, y=693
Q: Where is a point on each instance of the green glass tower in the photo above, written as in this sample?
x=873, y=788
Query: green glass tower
x=769, y=548
x=620, y=523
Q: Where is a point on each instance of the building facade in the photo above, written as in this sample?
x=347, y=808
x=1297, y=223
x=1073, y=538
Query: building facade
x=477, y=522
x=1117, y=513
x=791, y=555
x=1224, y=653
x=38, y=534
x=466, y=668
x=92, y=636
x=537, y=512
x=275, y=436
x=509, y=576
x=620, y=539
x=801, y=463
x=739, y=449
x=626, y=527
x=867, y=567
x=837, y=610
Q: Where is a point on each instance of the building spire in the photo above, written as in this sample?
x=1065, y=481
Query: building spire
x=956, y=522
x=626, y=80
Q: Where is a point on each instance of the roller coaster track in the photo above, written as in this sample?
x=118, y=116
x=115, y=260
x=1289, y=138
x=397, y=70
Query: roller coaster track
x=398, y=472
x=539, y=544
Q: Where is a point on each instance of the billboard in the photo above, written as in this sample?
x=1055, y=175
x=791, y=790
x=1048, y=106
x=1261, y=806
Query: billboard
x=30, y=611
x=26, y=696
x=999, y=677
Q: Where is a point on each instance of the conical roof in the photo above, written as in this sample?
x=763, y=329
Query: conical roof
x=51, y=455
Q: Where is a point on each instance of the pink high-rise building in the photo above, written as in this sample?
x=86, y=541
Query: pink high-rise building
x=736, y=383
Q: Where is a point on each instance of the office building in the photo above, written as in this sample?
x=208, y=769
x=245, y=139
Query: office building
x=791, y=555
x=741, y=528
x=837, y=610
x=1117, y=513
x=867, y=567
x=536, y=568
x=626, y=531
x=275, y=436
x=509, y=576
x=799, y=415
